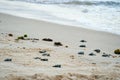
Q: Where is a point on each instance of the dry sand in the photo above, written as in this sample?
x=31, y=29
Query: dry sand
x=74, y=66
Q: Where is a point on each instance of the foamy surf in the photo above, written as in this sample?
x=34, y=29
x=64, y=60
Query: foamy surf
x=101, y=15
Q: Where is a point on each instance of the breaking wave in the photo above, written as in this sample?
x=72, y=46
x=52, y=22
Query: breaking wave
x=73, y=2
x=106, y=3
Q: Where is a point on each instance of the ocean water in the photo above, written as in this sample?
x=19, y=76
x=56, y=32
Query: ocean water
x=101, y=15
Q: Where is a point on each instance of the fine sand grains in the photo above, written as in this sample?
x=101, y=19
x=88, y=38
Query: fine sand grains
x=58, y=59
x=69, y=76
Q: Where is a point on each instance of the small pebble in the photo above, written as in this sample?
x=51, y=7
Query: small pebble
x=97, y=50
x=58, y=44
x=82, y=46
x=81, y=53
x=92, y=54
x=45, y=54
x=105, y=55
x=8, y=59
x=11, y=35
x=47, y=39
x=66, y=46
x=83, y=41
x=93, y=63
x=43, y=51
x=37, y=58
x=57, y=66
x=44, y=59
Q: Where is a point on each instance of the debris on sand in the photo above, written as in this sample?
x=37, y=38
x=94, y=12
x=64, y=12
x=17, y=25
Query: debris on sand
x=23, y=47
x=11, y=35
x=44, y=59
x=97, y=50
x=47, y=39
x=58, y=44
x=83, y=41
x=21, y=37
x=57, y=66
x=117, y=51
x=81, y=53
x=25, y=35
x=66, y=46
x=8, y=59
x=37, y=58
x=92, y=54
x=106, y=55
x=45, y=54
x=42, y=51
x=82, y=46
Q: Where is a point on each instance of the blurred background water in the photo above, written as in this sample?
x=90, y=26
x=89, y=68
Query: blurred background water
x=101, y=15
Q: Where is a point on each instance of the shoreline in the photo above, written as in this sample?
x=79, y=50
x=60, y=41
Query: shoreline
x=55, y=52
x=51, y=22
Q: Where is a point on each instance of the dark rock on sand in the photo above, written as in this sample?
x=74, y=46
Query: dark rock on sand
x=83, y=41
x=21, y=37
x=82, y=46
x=57, y=66
x=23, y=47
x=8, y=59
x=43, y=51
x=58, y=44
x=81, y=53
x=94, y=63
x=47, y=39
x=25, y=35
x=106, y=55
x=11, y=35
x=117, y=51
x=97, y=50
x=37, y=58
x=45, y=54
x=66, y=46
x=92, y=54
x=44, y=59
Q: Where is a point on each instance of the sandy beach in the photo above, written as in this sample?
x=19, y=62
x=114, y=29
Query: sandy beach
x=55, y=52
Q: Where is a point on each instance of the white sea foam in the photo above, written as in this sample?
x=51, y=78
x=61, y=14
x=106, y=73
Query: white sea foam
x=100, y=17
